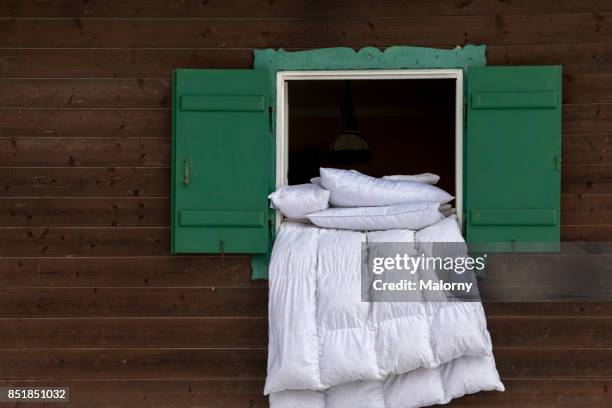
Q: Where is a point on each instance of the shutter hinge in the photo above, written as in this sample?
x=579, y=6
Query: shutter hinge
x=465, y=115
x=270, y=120
x=557, y=162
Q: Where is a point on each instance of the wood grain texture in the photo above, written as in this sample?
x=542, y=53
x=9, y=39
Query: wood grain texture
x=86, y=93
x=85, y=123
x=240, y=393
x=214, y=393
x=116, y=63
x=306, y=8
x=85, y=152
x=585, y=58
x=85, y=182
x=193, y=363
x=543, y=393
x=250, y=363
x=133, y=271
x=306, y=33
x=100, y=241
x=587, y=148
x=133, y=302
x=90, y=212
x=190, y=332
x=551, y=309
x=124, y=332
x=551, y=332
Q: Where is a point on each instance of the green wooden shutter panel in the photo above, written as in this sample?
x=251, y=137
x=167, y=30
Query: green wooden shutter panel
x=221, y=161
x=513, y=145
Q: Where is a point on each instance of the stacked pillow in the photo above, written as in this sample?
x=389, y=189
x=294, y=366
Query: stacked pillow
x=353, y=189
x=363, y=202
x=413, y=216
x=297, y=201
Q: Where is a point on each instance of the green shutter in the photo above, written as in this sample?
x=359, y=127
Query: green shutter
x=221, y=161
x=513, y=153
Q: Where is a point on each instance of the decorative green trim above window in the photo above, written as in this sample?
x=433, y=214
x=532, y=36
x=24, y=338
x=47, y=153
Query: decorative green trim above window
x=398, y=57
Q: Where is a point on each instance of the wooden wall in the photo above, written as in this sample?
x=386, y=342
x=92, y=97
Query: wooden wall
x=89, y=296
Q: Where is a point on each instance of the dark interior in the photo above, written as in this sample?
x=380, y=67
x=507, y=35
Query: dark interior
x=408, y=126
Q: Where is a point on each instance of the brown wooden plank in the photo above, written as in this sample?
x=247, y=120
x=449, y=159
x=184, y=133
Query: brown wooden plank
x=587, y=148
x=85, y=152
x=587, y=88
x=254, y=8
x=543, y=393
x=97, y=393
x=587, y=233
x=228, y=33
x=551, y=332
x=58, y=241
x=133, y=271
x=252, y=332
x=553, y=363
x=587, y=118
x=586, y=209
x=84, y=123
x=565, y=309
x=81, y=212
x=586, y=179
x=85, y=182
x=582, y=58
x=550, y=277
x=134, y=363
x=110, y=63
x=134, y=333
x=251, y=363
x=158, y=63
x=85, y=93
x=581, y=272
x=133, y=302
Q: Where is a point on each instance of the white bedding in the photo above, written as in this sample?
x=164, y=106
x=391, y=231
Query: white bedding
x=328, y=349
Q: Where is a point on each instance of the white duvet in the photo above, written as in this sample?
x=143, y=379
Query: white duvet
x=328, y=349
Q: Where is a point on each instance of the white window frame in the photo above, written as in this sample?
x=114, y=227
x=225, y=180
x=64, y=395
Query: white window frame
x=282, y=114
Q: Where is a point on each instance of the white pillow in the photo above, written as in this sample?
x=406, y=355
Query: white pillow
x=446, y=230
x=428, y=178
x=297, y=201
x=353, y=189
x=411, y=216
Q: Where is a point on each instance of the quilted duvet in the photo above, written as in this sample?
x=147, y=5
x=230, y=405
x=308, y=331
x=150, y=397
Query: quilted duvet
x=328, y=349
